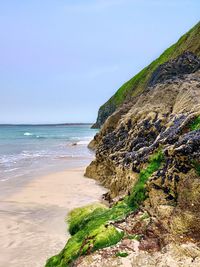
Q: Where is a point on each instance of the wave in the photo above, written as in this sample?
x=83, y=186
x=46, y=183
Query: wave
x=83, y=142
x=11, y=170
x=81, y=137
x=41, y=137
x=5, y=179
x=28, y=134
x=36, y=136
x=80, y=140
x=6, y=160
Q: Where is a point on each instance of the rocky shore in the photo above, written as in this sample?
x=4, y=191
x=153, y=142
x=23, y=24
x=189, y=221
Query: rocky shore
x=167, y=118
x=148, y=157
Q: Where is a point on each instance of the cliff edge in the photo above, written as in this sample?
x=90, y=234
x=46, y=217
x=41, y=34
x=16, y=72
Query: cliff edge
x=137, y=84
x=148, y=157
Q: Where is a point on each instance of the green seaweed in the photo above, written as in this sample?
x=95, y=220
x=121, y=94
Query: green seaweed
x=196, y=165
x=197, y=168
x=79, y=217
x=144, y=216
x=121, y=254
x=138, y=194
x=92, y=232
x=134, y=237
x=89, y=225
x=195, y=125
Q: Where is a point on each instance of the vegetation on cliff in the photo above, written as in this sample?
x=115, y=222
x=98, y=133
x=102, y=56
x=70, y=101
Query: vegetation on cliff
x=90, y=225
x=165, y=115
x=138, y=194
x=137, y=84
x=149, y=160
x=195, y=125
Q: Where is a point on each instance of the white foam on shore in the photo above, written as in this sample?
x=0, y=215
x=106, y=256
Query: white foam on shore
x=83, y=142
x=28, y=134
x=11, y=170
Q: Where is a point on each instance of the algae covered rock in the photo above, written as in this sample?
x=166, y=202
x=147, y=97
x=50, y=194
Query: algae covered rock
x=90, y=230
x=93, y=227
x=148, y=156
x=165, y=117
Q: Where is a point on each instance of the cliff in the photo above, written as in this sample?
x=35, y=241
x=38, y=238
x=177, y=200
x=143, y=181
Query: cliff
x=136, y=85
x=148, y=156
x=163, y=121
x=160, y=118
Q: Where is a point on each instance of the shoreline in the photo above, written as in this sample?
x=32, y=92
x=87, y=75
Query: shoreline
x=32, y=221
x=12, y=185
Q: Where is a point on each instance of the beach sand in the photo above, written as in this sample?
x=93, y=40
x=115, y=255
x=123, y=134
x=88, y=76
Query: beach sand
x=32, y=219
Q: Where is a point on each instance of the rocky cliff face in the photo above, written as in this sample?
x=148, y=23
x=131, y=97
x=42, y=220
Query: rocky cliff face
x=148, y=156
x=162, y=123
x=136, y=85
x=104, y=112
x=166, y=117
x=173, y=69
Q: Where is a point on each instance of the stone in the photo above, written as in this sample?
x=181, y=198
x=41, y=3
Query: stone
x=150, y=244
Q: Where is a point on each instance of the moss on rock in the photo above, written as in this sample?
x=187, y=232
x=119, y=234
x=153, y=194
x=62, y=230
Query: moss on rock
x=122, y=254
x=138, y=194
x=195, y=125
x=79, y=217
x=90, y=231
x=89, y=225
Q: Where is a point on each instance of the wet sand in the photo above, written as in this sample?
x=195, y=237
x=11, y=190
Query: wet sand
x=32, y=219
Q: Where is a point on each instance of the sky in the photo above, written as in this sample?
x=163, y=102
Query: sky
x=61, y=60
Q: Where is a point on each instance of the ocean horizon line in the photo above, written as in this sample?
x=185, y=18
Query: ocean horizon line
x=46, y=124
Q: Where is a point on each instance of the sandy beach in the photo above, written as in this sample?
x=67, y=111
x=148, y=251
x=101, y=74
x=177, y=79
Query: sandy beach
x=32, y=219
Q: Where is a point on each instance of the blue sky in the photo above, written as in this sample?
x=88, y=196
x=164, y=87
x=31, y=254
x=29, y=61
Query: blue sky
x=60, y=60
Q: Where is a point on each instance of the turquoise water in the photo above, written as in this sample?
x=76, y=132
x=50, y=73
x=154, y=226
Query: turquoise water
x=33, y=150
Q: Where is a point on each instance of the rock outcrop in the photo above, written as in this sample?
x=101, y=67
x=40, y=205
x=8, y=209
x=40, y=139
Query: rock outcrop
x=160, y=119
x=164, y=118
x=148, y=156
x=173, y=69
x=136, y=85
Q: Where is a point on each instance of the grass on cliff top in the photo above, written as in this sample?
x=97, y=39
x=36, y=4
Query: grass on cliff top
x=188, y=42
x=89, y=225
x=195, y=125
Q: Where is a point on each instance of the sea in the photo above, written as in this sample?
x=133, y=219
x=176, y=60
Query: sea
x=31, y=150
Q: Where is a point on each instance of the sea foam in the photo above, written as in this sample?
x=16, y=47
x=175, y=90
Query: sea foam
x=28, y=134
